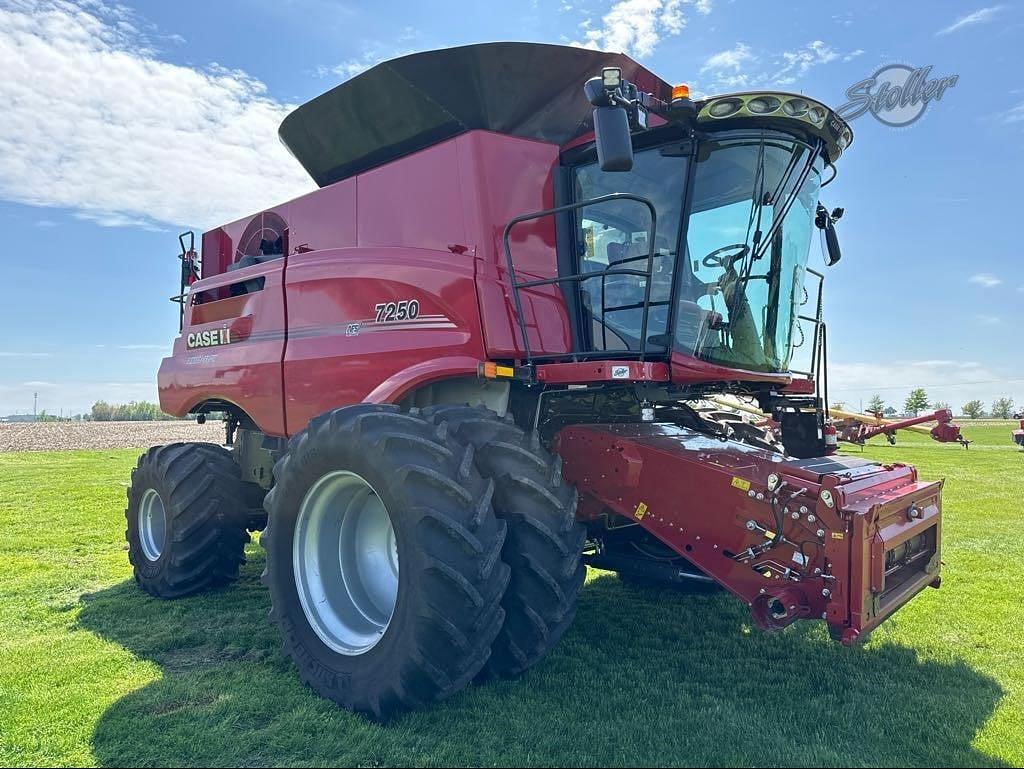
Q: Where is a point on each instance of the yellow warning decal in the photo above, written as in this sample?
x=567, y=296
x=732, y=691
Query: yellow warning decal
x=740, y=483
x=641, y=511
x=837, y=535
x=769, y=534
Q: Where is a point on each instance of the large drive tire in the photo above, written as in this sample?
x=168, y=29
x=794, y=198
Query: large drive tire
x=545, y=542
x=186, y=519
x=403, y=623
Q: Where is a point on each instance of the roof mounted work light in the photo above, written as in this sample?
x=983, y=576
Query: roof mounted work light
x=611, y=78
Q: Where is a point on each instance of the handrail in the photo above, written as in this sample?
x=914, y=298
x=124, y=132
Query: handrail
x=817, y=321
x=580, y=277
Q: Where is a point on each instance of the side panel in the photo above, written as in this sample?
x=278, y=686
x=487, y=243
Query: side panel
x=374, y=322
x=414, y=202
x=324, y=219
x=239, y=360
x=502, y=178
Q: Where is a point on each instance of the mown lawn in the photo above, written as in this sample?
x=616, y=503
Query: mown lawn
x=92, y=671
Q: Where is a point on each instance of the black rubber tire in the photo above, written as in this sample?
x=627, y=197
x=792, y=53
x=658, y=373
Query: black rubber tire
x=451, y=577
x=545, y=542
x=205, y=506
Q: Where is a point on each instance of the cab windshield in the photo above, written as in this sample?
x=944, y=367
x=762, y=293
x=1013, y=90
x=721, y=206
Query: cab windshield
x=732, y=286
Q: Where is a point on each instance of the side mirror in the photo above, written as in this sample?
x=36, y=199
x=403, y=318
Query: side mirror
x=614, y=143
x=832, y=245
x=827, y=222
x=611, y=120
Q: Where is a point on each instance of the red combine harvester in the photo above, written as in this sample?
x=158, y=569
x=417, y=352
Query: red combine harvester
x=471, y=363
x=1018, y=435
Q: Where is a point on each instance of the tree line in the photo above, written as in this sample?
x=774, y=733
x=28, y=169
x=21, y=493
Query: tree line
x=135, y=411
x=917, y=401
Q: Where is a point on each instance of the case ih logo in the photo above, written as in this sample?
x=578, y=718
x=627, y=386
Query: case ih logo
x=211, y=338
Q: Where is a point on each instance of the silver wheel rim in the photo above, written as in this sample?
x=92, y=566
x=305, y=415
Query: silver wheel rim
x=345, y=559
x=152, y=524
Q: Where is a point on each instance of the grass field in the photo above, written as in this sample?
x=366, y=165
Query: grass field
x=93, y=671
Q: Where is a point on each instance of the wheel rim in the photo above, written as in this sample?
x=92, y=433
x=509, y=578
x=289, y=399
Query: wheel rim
x=345, y=558
x=152, y=524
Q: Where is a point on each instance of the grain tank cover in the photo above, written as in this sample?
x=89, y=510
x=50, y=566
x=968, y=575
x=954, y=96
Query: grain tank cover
x=403, y=105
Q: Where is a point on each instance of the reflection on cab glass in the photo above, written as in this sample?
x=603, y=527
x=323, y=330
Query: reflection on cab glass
x=741, y=271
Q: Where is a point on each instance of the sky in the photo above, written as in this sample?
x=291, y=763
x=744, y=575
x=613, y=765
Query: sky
x=124, y=124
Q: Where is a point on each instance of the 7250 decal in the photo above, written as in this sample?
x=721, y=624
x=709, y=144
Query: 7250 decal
x=391, y=312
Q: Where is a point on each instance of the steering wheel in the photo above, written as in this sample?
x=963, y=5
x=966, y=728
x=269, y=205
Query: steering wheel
x=718, y=258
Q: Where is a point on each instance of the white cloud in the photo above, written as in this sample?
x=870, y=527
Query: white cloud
x=1013, y=115
x=985, y=279
x=374, y=53
x=729, y=70
x=798, y=63
x=977, y=17
x=9, y=354
x=142, y=347
x=742, y=67
x=731, y=59
x=96, y=122
x=988, y=320
x=635, y=27
x=369, y=58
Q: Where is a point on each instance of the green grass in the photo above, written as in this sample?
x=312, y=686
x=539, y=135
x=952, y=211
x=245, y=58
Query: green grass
x=93, y=671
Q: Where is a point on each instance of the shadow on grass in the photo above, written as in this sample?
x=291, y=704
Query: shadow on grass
x=644, y=678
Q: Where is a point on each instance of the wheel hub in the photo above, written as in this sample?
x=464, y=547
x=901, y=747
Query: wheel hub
x=345, y=559
x=152, y=524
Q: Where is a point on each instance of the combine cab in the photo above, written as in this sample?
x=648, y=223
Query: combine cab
x=480, y=357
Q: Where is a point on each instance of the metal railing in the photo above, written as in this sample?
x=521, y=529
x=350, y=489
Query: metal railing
x=578, y=278
x=817, y=322
x=190, y=268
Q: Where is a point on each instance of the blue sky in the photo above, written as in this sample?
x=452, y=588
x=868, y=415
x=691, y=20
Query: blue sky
x=126, y=123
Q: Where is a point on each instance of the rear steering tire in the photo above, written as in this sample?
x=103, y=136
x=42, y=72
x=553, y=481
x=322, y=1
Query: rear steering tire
x=186, y=518
x=545, y=542
x=383, y=559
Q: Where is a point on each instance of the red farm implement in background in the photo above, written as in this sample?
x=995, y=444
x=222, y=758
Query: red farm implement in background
x=858, y=428
x=478, y=359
